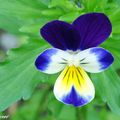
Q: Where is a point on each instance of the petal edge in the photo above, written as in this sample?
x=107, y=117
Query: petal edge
x=61, y=35
x=50, y=61
x=94, y=28
x=95, y=59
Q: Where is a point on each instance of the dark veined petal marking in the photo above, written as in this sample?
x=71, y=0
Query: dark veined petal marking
x=94, y=28
x=61, y=35
x=95, y=60
x=50, y=61
x=74, y=87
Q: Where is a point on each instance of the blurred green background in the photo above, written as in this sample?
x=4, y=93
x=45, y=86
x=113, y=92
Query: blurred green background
x=25, y=93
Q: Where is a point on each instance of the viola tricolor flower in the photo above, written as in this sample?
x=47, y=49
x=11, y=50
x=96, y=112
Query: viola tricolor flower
x=75, y=51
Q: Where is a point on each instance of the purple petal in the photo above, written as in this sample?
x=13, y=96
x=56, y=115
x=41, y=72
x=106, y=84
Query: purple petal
x=104, y=57
x=75, y=99
x=61, y=35
x=94, y=28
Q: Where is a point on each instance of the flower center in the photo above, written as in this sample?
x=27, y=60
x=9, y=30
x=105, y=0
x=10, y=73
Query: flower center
x=73, y=60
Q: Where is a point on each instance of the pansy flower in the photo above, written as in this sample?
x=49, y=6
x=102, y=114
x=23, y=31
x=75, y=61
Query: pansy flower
x=75, y=51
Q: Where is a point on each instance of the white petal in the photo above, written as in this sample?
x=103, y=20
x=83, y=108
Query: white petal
x=51, y=60
x=95, y=59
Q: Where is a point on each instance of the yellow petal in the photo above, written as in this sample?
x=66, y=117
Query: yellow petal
x=73, y=86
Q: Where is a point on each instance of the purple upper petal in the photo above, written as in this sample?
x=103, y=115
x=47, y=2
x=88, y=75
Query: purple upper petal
x=93, y=28
x=88, y=30
x=61, y=35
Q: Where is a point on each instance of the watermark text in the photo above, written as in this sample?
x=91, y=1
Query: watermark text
x=4, y=117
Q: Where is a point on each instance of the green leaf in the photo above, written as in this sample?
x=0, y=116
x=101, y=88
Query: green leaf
x=115, y=20
x=99, y=112
x=108, y=83
x=66, y=5
x=21, y=9
x=93, y=5
x=32, y=109
x=60, y=111
x=18, y=75
x=70, y=17
x=28, y=16
x=7, y=23
x=19, y=13
x=52, y=12
x=33, y=28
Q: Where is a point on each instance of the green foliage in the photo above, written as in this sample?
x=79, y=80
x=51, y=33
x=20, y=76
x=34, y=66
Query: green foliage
x=18, y=76
x=43, y=106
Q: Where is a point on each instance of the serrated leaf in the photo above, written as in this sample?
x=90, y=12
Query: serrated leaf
x=31, y=109
x=18, y=75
